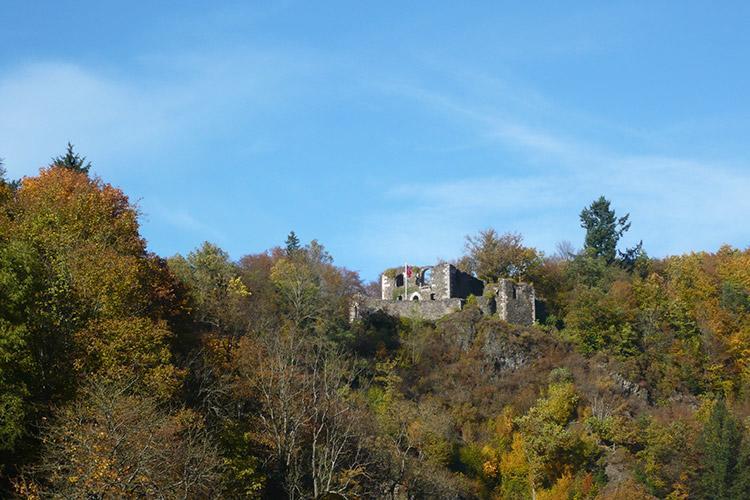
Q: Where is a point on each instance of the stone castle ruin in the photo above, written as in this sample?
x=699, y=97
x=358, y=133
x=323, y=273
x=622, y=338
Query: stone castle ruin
x=432, y=292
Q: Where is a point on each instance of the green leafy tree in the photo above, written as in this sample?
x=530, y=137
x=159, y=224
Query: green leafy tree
x=7, y=187
x=19, y=281
x=741, y=483
x=603, y=229
x=719, y=443
x=550, y=443
x=218, y=294
x=492, y=256
x=299, y=288
x=72, y=161
x=76, y=299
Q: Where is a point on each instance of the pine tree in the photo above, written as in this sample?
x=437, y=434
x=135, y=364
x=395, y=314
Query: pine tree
x=603, y=229
x=720, y=443
x=72, y=160
x=741, y=483
x=292, y=244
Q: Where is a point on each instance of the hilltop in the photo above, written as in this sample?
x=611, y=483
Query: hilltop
x=124, y=373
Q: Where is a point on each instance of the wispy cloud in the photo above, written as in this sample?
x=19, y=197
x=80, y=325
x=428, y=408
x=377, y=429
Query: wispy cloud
x=677, y=204
x=174, y=97
x=183, y=219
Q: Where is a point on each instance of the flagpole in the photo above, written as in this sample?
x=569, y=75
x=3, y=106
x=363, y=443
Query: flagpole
x=406, y=281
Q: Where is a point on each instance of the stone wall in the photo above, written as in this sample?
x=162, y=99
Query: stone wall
x=393, y=287
x=488, y=305
x=386, y=287
x=516, y=302
x=431, y=310
x=445, y=291
x=441, y=281
x=464, y=284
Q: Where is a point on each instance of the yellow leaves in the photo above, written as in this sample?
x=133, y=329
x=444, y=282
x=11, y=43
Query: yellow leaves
x=431, y=441
x=558, y=407
x=108, y=283
x=735, y=266
x=61, y=208
x=515, y=463
x=26, y=489
x=122, y=349
x=561, y=490
x=491, y=469
x=503, y=425
x=236, y=287
x=98, y=281
x=680, y=489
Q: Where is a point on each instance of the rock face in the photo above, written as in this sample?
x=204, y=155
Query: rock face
x=432, y=292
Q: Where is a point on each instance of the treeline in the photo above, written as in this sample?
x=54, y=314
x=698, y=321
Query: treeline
x=124, y=374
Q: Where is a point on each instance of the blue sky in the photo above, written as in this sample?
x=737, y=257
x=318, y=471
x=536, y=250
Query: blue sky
x=390, y=131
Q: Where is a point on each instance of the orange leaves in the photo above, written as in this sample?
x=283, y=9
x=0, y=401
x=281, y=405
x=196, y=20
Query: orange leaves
x=61, y=208
x=102, y=292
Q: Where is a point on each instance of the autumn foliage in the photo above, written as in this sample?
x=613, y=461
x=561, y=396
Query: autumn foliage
x=123, y=374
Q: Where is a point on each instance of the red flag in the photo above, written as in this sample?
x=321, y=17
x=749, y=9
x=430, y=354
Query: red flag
x=408, y=271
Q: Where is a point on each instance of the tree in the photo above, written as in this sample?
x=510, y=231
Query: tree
x=292, y=244
x=299, y=288
x=111, y=443
x=551, y=447
x=307, y=411
x=72, y=161
x=78, y=301
x=491, y=256
x=19, y=281
x=7, y=187
x=720, y=445
x=218, y=293
x=603, y=229
x=741, y=483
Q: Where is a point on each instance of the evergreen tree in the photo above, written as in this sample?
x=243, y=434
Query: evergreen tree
x=741, y=483
x=292, y=244
x=72, y=160
x=720, y=443
x=603, y=229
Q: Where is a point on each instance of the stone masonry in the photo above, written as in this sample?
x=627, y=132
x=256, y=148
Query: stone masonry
x=431, y=292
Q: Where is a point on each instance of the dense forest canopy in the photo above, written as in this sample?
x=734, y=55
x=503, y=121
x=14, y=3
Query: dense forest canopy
x=127, y=374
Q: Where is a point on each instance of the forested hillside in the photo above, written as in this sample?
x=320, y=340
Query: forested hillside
x=128, y=374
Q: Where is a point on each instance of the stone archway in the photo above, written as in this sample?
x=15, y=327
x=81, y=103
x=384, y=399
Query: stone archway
x=425, y=277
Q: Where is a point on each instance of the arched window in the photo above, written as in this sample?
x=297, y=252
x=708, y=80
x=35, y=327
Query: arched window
x=432, y=296
x=400, y=279
x=415, y=297
x=427, y=276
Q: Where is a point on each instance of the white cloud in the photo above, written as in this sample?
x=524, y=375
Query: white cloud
x=676, y=204
x=45, y=105
x=172, y=98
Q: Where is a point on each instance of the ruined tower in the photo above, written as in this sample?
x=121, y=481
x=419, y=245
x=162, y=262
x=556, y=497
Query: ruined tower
x=431, y=292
